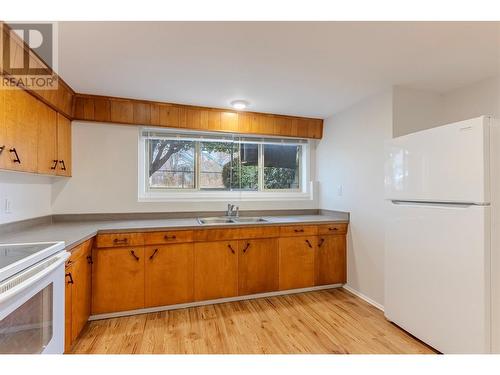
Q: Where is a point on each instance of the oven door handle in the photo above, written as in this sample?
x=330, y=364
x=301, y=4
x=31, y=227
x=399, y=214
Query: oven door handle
x=27, y=278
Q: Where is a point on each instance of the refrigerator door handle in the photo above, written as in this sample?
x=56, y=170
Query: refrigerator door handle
x=437, y=204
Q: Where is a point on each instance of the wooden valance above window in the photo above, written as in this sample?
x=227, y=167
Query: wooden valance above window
x=140, y=112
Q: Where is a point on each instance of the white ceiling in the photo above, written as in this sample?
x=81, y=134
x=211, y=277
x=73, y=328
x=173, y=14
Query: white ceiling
x=297, y=68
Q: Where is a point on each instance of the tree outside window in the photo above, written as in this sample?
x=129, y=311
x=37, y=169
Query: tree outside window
x=222, y=165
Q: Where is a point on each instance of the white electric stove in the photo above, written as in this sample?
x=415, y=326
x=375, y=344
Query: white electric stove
x=32, y=298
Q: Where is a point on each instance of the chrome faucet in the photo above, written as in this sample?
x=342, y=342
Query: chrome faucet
x=232, y=210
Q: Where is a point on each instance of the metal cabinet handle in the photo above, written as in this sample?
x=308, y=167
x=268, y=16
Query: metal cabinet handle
x=16, y=160
x=89, y=259
x=2, y=148
x=120, y=240
x=132, y=252
x=246, y=247
x=333, y=228
x=298, y=230
x=63, y=168
x=321, y=242
x=55, y=164
x=308, y=244
x=231, y=248
x=70, y=278
x=153, y=255
x=167, y=237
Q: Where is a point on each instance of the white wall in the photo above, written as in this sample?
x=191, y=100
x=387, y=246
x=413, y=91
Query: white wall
x=105, y=172
x=415, y=110
x=480, y=98
x=351, y=155
x=29, y=196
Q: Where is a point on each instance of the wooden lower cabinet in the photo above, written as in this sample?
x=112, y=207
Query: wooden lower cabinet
x=296, y=262
x=257, y=266
x=129, y=277
x=215, y=270
x=118, y=279
x=78, y=292
x=68, y=300
x=169, y=274
x=82, y=291
x=331, y=260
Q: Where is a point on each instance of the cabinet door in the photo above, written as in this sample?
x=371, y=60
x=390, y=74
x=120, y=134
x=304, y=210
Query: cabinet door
x=296, y=262
x=63, y=145
x=215, y=270
x=47, y=139
x=257, y=266
x=82, y=291
x=67, y=309
x=169, y=274
x=331, y=260
x=3, y=141
x=21, y=131
x=117, y=279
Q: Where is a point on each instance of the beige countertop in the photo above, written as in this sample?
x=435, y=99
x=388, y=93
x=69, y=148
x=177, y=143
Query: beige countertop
x=75, y=232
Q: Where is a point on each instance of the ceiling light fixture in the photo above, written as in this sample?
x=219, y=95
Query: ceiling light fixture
x=239, y=105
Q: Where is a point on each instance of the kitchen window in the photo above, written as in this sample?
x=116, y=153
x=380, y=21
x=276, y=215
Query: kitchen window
x=213, y=165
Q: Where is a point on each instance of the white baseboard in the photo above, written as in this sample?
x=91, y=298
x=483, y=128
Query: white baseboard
x=363, y=297
x=210, y=302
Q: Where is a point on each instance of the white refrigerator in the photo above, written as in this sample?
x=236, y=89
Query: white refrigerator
x=442, y=229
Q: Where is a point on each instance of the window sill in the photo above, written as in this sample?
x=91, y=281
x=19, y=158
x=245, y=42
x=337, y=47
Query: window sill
x=216, y=196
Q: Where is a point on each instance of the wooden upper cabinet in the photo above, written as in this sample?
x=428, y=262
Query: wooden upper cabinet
x=117, y=279
x=257, y=266
x=169, y=274
x=215, y=270
x=331, y=260
x=21, y=131
x=63, y=146
x=296, y=262
x=47, y=140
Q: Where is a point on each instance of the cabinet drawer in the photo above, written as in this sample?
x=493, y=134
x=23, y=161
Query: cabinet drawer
x=153, y=238
x=259, y=232
x=120, y=239
x=337, y=228
x=216, y=234
x=298, y=230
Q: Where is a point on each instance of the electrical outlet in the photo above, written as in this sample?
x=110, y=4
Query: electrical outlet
x=7, y=206
x=339, y=190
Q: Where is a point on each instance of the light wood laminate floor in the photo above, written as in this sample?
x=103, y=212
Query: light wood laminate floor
x=329, y=321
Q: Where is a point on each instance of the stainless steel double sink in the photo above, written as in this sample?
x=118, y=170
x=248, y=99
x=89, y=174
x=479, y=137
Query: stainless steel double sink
x=221, y=220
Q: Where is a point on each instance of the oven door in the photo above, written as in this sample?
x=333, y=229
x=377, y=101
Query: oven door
x=32, y=309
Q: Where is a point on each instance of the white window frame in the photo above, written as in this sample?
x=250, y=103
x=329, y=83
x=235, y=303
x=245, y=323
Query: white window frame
x=146, y=194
